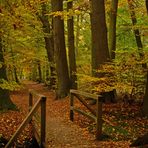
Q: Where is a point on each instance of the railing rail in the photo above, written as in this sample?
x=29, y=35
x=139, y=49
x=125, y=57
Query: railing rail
x=96, y=116
x=40, y=135
x=32, y=110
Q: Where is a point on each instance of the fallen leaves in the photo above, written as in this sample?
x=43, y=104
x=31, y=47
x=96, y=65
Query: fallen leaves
x=123, y=123
x=10, y=121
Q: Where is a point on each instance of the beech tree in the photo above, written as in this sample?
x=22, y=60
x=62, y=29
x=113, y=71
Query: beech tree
x=100, y=51
x=145, y=102
x=63, y=83
x=136, y=31
x=140, y=50
x=146, y=3
x=112, y=28
x=71, y=48
x=49, y=45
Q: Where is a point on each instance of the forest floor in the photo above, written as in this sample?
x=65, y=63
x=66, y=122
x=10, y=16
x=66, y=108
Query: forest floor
x=124, y=122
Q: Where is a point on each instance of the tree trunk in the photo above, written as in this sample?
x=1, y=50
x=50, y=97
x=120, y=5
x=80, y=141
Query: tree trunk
x=14, y=67
x=112, y=28
x=140, y=49
x=100, y=51
x=71, y=49
x=34, y=73
x=15, y=74
x=60, y=51
x=146, y=3
x=48, y=44
x=77, y=33
x=39, y=71
x=136, y=31
x=145, y=101
x=5, y=101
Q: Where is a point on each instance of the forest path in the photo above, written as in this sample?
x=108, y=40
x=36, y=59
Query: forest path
x=60, y=132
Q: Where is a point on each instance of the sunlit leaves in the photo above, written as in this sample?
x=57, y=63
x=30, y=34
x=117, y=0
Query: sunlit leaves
x=9, y=122
x=9, y=85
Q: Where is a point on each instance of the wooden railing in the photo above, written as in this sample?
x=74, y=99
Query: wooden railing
x=95, y=115
x=33, y=109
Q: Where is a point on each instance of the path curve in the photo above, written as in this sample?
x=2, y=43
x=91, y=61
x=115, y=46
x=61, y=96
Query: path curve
x=60, y=131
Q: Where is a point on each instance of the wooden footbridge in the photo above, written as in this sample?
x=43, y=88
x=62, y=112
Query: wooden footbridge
x=37, y=115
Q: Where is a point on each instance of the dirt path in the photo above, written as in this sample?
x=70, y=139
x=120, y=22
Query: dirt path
x=60, y=132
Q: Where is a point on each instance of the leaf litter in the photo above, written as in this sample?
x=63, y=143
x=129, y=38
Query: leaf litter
x=123, y=123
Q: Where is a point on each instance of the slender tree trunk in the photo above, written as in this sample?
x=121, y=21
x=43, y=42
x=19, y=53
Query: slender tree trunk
x=34, y=72
x=5, y=101
x=60, y=51
x=47, y=73
x=48, y=44
x=112, y=28
x=71, y=49
x=77, y=33
x=145, y=102
x=14, y=67
x=15, y=74
x=140, y=49
x=39, y=71
x=136, y=31
x=100, y=51
x=146, y=3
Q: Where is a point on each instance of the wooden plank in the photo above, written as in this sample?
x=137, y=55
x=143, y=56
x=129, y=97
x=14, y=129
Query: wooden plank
x=43, y=122
x=30, y=101
x=85, y=94
x=37, y=117
x=38, y=137
x=97, y=116
x=71, y=105
x=23, y=124
x=85, y=104
x=36, y=124
x=36, y=134
x=36, y=94
x=99, y=120
x=90, y=116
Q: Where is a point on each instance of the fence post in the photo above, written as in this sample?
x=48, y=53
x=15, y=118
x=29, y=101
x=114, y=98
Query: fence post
x=30, y=104
x=43, y=122
x=71, y=107
x=30, y=101
x=99, y=118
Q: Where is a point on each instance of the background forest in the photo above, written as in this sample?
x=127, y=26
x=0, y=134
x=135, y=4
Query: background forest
x=93, y=46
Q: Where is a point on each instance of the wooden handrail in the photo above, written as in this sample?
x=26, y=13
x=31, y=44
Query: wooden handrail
x=96, y=116
x=43, y=116
x=85, y=94
x=40, y=102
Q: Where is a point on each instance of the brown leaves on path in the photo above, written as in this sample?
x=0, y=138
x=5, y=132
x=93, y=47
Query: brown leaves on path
x=61, y=132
